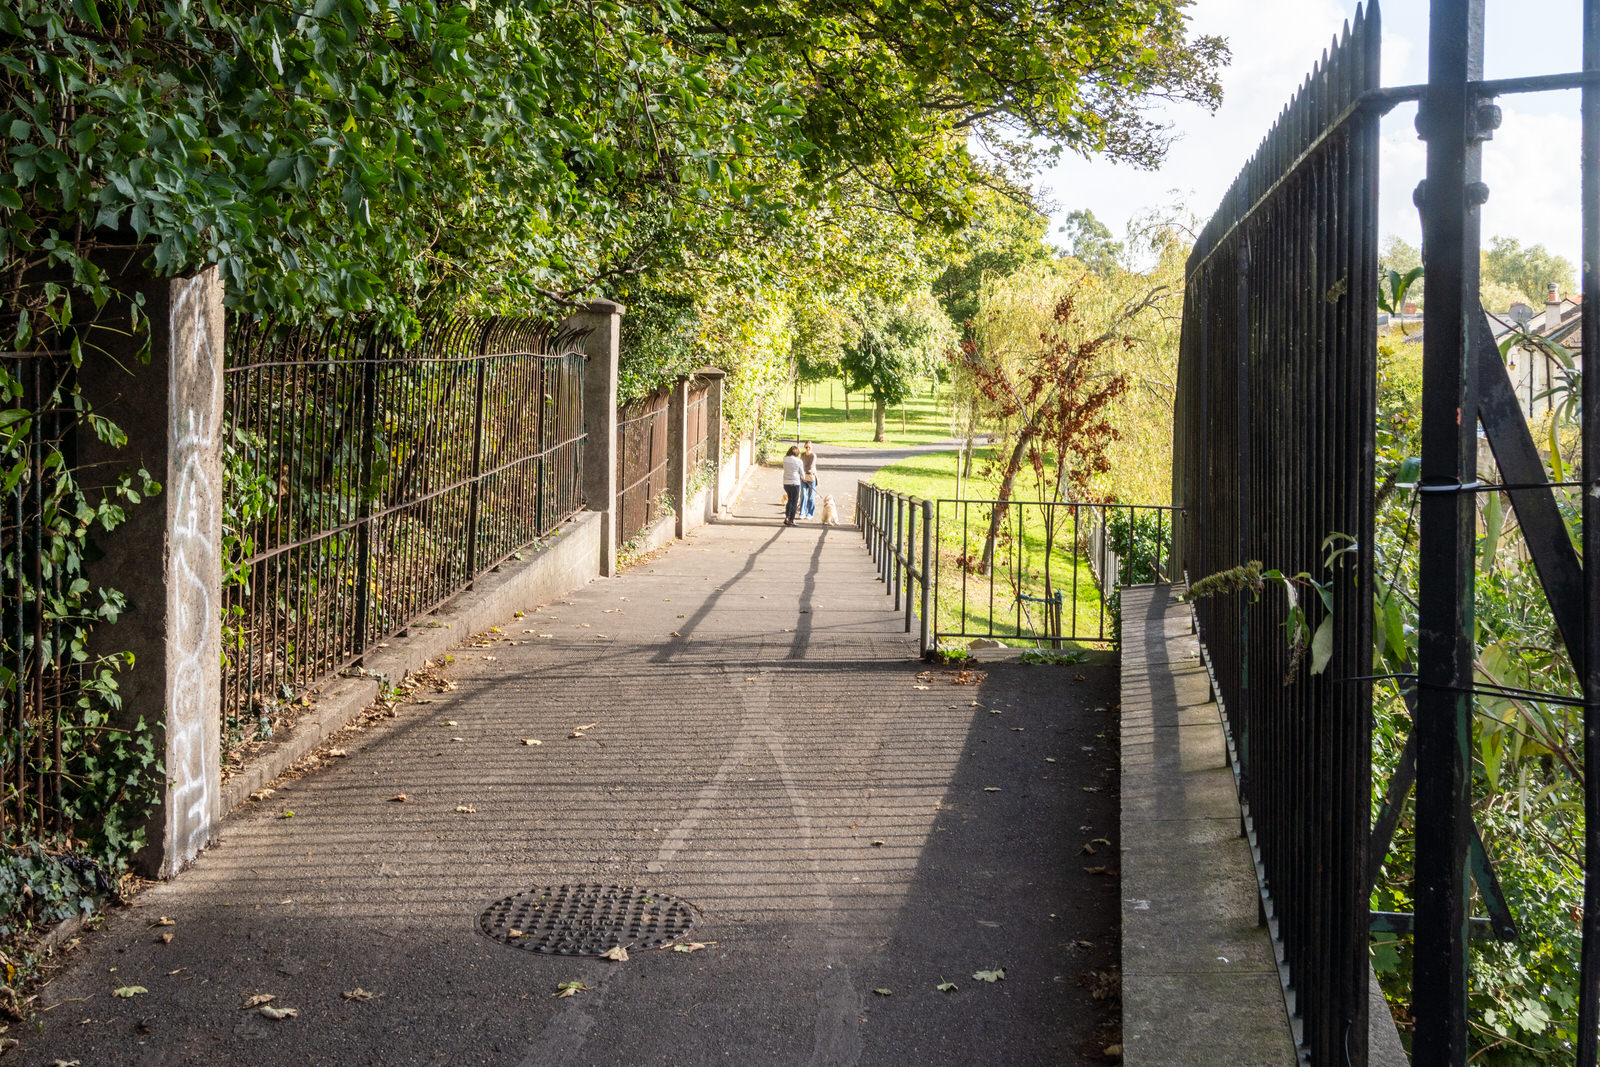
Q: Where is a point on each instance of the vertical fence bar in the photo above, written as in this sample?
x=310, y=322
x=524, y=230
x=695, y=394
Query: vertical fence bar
x=1589, y=966
x=1447, y=528
x=911, y=558
x=930, y=578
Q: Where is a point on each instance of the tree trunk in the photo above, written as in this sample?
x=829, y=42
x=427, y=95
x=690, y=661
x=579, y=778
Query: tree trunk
x=997, y=517
x=877, y=421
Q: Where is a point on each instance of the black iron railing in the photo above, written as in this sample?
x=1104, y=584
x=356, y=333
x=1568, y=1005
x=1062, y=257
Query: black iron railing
x=1046, y=575
x=898, y=531
x=1275, y=463
x=1274, y=454
x=1043, y=573
x=642, y=431
x=368, y=481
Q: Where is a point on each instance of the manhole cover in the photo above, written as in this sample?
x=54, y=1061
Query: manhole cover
x=587, y=920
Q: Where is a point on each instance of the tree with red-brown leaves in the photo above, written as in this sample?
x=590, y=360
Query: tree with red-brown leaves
x=1055, y=404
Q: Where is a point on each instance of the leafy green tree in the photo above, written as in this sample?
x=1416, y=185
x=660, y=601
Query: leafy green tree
x=1090, y=242
x=895, y=343
x=1527, y=270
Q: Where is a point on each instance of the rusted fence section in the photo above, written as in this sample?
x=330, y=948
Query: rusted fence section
x=38, y=682
x=641, y=464
x=697, y=428
x=369, y=481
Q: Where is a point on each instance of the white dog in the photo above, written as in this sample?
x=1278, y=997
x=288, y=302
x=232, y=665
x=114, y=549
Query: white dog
x=830, y=512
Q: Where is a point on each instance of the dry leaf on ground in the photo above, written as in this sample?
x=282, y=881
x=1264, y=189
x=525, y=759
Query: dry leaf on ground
x=466, y=809
x=256, y=1000
x=357, y=994
x=615, y=952
x=277, y=1013
x=570, y=989
x=163, y=921
x=532, y=741
x=692, y=946
x=129, y=991
x=996, y=975
x=399, y=797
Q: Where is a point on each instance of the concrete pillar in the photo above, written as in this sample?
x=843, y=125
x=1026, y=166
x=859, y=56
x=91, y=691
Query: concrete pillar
x=678, y=453
x=166, y=557
x=602, y=321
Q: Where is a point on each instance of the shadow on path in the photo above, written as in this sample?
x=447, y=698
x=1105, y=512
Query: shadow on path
x=740, y=722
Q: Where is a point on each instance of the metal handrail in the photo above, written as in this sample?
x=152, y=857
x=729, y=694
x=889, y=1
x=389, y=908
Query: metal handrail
x=889, y=525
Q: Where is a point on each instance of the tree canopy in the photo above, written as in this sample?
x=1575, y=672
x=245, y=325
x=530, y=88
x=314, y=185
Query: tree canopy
x=377, y=156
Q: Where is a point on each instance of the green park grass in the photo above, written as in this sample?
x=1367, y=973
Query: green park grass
x=823, y=418
x=985, y=603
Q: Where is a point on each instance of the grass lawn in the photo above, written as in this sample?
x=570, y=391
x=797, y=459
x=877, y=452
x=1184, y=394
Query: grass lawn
x=1009, y=600
x=823, y=418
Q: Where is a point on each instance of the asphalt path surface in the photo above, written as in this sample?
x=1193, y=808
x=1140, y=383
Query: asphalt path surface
x=854, y=831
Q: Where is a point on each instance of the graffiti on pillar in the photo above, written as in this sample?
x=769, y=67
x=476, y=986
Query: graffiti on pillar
x=194, y=651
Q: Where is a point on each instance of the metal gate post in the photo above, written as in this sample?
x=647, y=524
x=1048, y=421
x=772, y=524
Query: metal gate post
x=1449, y=200
x=928, y=579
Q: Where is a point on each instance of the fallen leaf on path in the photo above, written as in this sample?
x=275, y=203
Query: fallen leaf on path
x=570, y=989
x=674, y=634
x=1087, y=850
x=547, y=635
x=399, y=797
x=277, y=1013
x=65, y=1063
x=876, y=844
x=1113, y=1051
x=532, y=741
x=457, y=739
x=163, y=921
x=513, y=933
x=991, y=789
x=884, y=992
x=946, y=987
x=357, y=994
x=919, y=687
x=1101, y=841
x=129, y=991
x=1077, y=677
x=691, y=946
x=491, y=658
x=466, y=809
x=287, y=815
x=337, y=752
x=577, y=731
x=262, y=794
x=1049, y=759
x=1096, y=870
x=166, y=939
x=256, y=1000
x=448, y=722
x=615, y=952
x=609, y=611
x=996, y=975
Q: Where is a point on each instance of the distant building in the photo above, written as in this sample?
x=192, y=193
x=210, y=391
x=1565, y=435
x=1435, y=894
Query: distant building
x=1533, y=366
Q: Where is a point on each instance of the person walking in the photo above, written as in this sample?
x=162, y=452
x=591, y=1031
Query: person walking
x=793, y=470
x=808, y=483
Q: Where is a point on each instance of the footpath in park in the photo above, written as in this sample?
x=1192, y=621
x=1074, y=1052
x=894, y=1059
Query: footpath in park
x=739, y=722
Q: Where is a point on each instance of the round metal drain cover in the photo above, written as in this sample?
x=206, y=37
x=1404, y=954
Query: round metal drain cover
x=587, y=920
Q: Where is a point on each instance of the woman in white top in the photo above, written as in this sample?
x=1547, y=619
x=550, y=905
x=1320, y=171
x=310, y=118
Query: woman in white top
x=792, y=471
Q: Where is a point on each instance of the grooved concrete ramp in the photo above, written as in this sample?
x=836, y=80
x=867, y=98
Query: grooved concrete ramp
x=764, y=745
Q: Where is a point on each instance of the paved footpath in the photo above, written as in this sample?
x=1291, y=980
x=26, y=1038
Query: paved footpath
x=765, y=746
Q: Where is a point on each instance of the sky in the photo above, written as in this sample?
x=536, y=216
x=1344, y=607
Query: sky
x=1531, y=165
